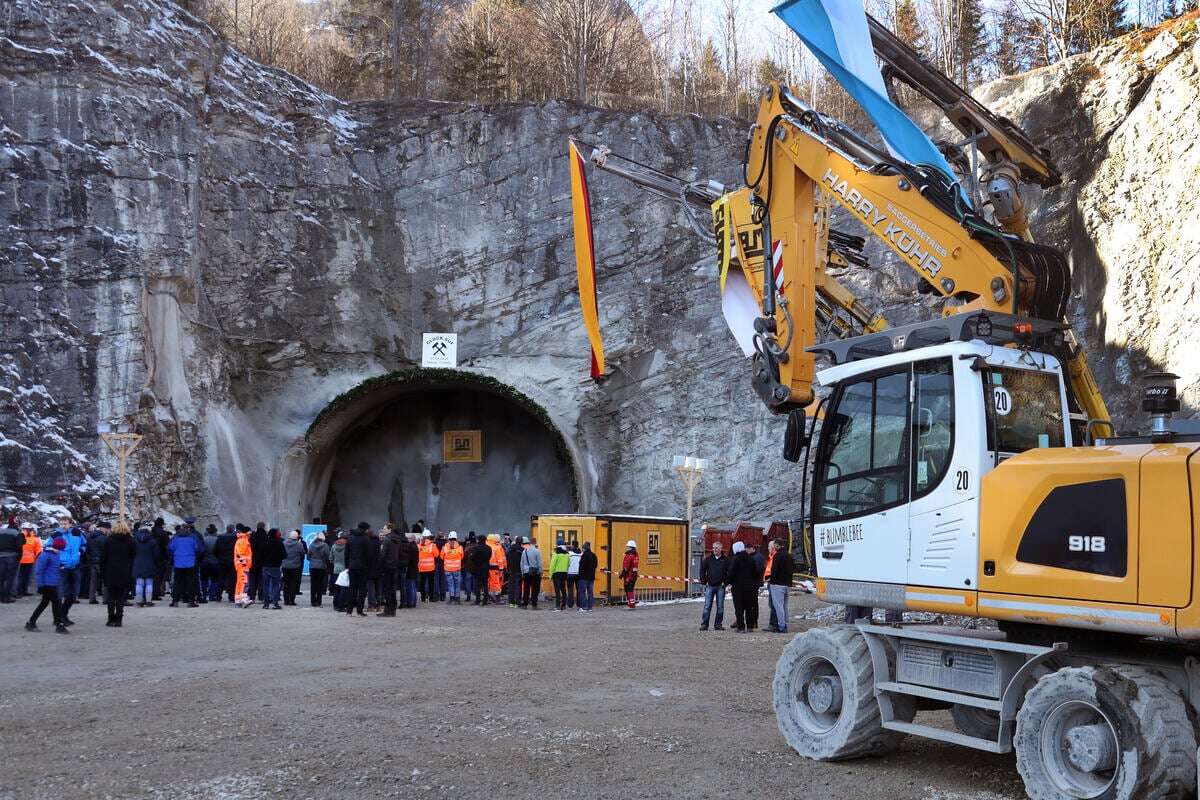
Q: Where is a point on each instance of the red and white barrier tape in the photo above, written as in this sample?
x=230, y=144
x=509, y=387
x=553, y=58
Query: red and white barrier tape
x=805, y=586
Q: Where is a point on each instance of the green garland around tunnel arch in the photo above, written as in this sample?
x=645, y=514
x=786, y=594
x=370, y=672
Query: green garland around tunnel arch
x=426, y=375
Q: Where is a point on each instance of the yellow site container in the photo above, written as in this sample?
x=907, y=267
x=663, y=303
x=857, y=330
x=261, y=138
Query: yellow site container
x=662, y=546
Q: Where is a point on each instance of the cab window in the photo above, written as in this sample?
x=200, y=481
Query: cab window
x=865, y=447
x=933, y=423
x=1026, y=409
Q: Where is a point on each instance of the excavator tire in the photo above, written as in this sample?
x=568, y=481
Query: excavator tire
x=824, y=697
x=1109, y=732
x=978, y=722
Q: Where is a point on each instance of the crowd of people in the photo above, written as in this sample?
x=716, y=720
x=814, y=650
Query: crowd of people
x=361, y=569
x=743, y=575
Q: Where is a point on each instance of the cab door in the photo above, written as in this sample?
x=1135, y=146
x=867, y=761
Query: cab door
x=944, y=510
x=862, y=479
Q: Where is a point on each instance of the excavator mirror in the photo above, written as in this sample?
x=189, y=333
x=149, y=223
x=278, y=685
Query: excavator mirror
x=795, y=438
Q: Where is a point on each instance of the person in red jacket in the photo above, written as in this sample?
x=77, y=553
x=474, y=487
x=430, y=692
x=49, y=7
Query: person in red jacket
x=629, y=572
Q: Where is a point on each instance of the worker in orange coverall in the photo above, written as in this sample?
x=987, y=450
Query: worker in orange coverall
x=242, y=560
x=497, y=566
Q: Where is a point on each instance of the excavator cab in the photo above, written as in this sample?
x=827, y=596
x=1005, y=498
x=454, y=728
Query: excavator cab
x=906, y=440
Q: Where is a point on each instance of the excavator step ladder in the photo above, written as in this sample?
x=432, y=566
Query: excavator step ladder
x=973, y=668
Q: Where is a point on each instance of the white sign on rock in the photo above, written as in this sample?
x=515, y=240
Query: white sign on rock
x=440, y=350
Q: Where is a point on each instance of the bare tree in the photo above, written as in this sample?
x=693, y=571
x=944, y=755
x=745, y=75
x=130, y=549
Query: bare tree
x=584, y=38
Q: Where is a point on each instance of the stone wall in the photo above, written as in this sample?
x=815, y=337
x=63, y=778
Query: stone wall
x=213, y=251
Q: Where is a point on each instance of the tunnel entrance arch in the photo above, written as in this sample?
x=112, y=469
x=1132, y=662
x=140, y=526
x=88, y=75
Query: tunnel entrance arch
x=375, y=454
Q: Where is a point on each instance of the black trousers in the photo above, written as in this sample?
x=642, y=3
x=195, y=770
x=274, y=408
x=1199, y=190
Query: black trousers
x=254, y=582
x=745, y=608
x=387, y=588
x=316, y=586
x=401, y=577
x=184, y=587
x=481, y=579
x=115, y=595
x=531, y=584
x=228, y=579
x=357, y=597
x=560, y=589
x=291, y=585
x=49, y=598
x=427, y=585
x=514, y=587
x=572, y=580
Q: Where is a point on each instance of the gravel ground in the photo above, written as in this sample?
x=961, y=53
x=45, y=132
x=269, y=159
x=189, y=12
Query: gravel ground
x=441, y=702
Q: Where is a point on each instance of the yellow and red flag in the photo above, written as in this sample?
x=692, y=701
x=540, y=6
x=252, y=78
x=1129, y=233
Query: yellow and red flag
x=585, y=259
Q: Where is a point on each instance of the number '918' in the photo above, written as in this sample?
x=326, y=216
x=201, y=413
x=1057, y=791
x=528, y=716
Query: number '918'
x=1085, y=544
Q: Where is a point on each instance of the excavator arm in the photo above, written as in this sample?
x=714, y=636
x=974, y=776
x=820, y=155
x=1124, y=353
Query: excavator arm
x=800, y=163
x=797, y=157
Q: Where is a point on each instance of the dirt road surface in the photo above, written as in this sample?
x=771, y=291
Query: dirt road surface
x=440, y=702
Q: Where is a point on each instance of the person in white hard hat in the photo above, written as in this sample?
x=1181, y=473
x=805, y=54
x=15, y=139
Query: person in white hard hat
x=452, y=561
x=629, y=572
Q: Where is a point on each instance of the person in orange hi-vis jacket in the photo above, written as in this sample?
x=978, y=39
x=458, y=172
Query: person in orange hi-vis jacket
x=242, y=561
x=30, y=550
x=496, y=566
x=452, y=559
x=629, y=572
x=427, y=555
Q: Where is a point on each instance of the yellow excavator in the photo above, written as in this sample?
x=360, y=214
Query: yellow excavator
x=964, y=465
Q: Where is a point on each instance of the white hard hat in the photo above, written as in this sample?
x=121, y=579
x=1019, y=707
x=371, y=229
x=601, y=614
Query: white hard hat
x=453, y=535
x=631, y=543
x=739, y=547
x=426, y=534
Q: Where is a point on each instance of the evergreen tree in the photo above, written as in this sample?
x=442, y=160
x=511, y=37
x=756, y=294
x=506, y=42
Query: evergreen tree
x=970, y=42
x=908, y=27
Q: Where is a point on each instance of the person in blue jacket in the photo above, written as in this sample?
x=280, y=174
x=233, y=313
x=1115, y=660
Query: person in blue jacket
x=71, y=557
x=183, y=552
x=47, y=572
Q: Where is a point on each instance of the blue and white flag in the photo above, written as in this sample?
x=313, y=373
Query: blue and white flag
x=836, y=33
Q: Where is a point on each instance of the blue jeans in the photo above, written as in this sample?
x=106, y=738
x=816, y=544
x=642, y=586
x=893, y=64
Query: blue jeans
x=68, y=584
x=468, y=583
x=271, y=577
x=585, y=590
x=778, y=596
x=453, y=583
x=410, y=592
x=711, y=594
x=144, y=589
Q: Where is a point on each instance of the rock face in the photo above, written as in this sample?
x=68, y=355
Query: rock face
x=215, y=252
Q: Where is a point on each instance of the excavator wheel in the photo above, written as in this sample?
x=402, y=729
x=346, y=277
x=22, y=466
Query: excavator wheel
x=1108, y=732
x=824, y=697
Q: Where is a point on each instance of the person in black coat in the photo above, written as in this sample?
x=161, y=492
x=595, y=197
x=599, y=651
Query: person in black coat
x=361, y=554
x=479, y=559
x=513, y=557
x=410, y=558
x=116, y=570
x=783, y=569
x=271, y=563
x=162, y=539
x=223, y=551
x=258, y=543
x=743, y=579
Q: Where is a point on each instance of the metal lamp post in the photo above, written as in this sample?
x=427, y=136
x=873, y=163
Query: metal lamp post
x=122, y=441
x=690, y=470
